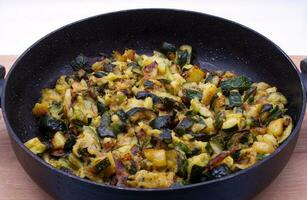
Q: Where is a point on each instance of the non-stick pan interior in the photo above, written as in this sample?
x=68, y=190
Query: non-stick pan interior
x=217, y=44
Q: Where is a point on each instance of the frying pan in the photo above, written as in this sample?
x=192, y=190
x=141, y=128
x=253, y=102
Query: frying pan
x=219, y=44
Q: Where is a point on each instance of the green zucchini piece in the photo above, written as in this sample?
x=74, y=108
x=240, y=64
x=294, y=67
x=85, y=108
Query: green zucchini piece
x=133, y=64
x=274, y=113
x=164, y=81
x=191, y=113
x=249, y=94
x=100, y=74
x=182, y=165
x=104, y=129
x=55, y=109
x=79, y=62
x=196, y=173
x=119, y=127
x=170, y=104
x=219, y=172
x=238, y=109
x=105, y=120
x=217, y=142
x=108, y=67
x=102, y=165
x=252, y=122
x=102, y=108
x=230, y=125
x=266, y=108
x=269, y=113
x=167, y=48
x=131, y=169
x=236, y=155
x=182, y=57
x=183, y=147
x=105, y=132
x=188, y=49
x=237, y=139
x=234, y=99
x=214, y=79
x=160, y=122
x=52, y=124
x=148, y=84
x=183, y=126
x=70, y=142
x=265, y=112
x=190, y=94
x=240, y=83
x=166, y=136
x=201, y=136
x=140, y=113
x=84, y=152
x=145, y=94
x=261, y=156
x=121, y=114
x=135, y=68
x=219, y=119
x=216, y=147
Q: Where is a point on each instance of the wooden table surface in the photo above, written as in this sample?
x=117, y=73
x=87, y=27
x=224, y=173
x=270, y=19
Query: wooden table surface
x=15, y=184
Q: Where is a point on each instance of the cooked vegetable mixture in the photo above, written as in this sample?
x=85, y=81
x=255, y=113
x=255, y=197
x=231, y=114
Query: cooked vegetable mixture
x=156, y=121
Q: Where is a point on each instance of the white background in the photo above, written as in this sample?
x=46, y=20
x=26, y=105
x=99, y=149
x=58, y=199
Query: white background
x=22, y=22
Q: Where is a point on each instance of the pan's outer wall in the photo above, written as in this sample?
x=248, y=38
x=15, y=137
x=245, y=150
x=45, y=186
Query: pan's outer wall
x=224, y=44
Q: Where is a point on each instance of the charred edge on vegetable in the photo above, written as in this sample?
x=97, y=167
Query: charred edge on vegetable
x=183, y=126
x=145, y=94
x=166, y=136
x=148, y=84
x=160, y=122
x=70, y=142
x=79, y=62
x=52, y=124
x=102, y=165
x=100, y=74
x=139, y=113
x=218, y=172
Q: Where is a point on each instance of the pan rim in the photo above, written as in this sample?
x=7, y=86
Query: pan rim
x=16, y=139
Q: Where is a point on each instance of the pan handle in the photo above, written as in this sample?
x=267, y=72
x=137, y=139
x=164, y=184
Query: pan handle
x=303, y=66
x=2, y=74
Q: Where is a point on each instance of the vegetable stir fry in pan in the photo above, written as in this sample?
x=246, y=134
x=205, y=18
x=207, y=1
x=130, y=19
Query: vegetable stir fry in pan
x=155, y=121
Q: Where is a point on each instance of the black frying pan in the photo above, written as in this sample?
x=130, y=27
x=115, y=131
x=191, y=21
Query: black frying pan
x=219, y=45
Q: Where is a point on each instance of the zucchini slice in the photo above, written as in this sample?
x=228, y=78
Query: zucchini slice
x=140, y=113
x=230, y=124
x=160, y=122
x=183, y=126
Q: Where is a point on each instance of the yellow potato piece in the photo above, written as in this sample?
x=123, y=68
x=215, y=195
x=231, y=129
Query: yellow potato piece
x=263, y=148
x=276, y=127
x=208, y=92
x=156, y=156
x=35, y=145
x=195, y=74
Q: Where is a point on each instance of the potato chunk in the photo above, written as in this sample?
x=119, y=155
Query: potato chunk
x=263, y=148
x=35, y=145
x=156, y=156
x=146, y=179
x=208, y=92
x=195, y=74
x=276, y=127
